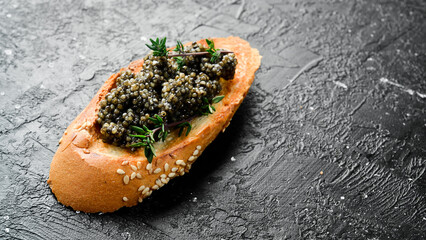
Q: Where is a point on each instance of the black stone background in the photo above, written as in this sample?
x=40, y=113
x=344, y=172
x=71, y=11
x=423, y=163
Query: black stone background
x=341, y=89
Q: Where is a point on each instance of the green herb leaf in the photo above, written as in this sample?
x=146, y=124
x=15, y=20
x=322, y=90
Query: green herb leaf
x=218, y=99
x=159, y=47
x=215, y=53
x=140, y=144
x=138, y=129
x=138, y=136
x=179, y=47
x=182, y=127
x=180, y=62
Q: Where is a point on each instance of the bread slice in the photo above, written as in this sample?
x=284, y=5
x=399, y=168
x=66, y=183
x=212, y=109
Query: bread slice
x=92, y=176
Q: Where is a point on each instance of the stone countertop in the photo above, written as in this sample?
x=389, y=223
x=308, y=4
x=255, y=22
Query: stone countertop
x=329, y=143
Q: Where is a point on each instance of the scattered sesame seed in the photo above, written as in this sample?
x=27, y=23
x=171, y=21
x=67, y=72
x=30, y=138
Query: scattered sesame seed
x=145, y=190
x=342, y=197
x=138, y=175
x=140, y=199
x=139, y=164
x=7, y=230
x=174, y=169
x=141, y=188
x=149, y=166
x=124, y=163
x=180, y=162
x=321, y=172
x=120, y=171
x=199, y=147
x=163, y=175
x=233, y=159
x=159, y=183
x=126, y=179
x=158, y=170
x=155, y=187
x=133, y=176
x=166, y=167
x=133, y=167
x=172, y=174
x=125, y=199
x=196, y=152
x=191, y=158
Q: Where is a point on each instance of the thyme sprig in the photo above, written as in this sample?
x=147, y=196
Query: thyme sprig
x=159, y=47
x=215, y=53
x=161, y=129
x=208, y=108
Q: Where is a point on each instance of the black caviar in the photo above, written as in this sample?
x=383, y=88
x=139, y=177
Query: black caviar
x=163, y=88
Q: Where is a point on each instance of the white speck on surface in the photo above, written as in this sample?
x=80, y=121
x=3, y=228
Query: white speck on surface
x=82, y=56
x=77, y=211
x=407, y=90
x=364, y=195
x=342, y=197
x=51, y=65
x=42, y=86
x=7, y=230
x=370, y=59
x=17, y=106
x=340, y=84
x=233, y=159
x=194, y=199
x=410, y=179
x=2, y=93
x=9, y=15
x=6, y=218
x=8, y=52
x=311, y=108
x=143, y=38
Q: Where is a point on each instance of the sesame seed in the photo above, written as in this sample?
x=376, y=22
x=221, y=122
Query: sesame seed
x=172, y=174
x=188, y=167
x=180, y=162
x=60, y=140
x=155, y=187
x=141, y=188
x=145, y=190
x=86, y=151
x=166, y=167
x=149, y=166
x=138, y=175
x=139, y=165
x=125, y=199
x=191, y=158
x=199, y=147
x=159, y=183
x=174, y=169
x=126, y=179
x=196, y=152
x=163, y=176
x=148, y=194
x=140, y=199
x=133, y=175
x=124, y=163
x=120, y=171
x=158, y=170
x=165, y=180
x=133, y=167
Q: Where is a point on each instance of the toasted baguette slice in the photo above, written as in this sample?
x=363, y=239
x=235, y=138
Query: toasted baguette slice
x=92, y=176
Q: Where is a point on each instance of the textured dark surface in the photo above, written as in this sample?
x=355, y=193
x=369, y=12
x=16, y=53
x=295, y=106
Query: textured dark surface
x=341, y=91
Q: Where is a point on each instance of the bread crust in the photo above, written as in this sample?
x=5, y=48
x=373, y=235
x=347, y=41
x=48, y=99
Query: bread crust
x=91, y=176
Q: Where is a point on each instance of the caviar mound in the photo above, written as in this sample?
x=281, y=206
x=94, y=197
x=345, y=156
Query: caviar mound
x=90, y=175
x=163, y=87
